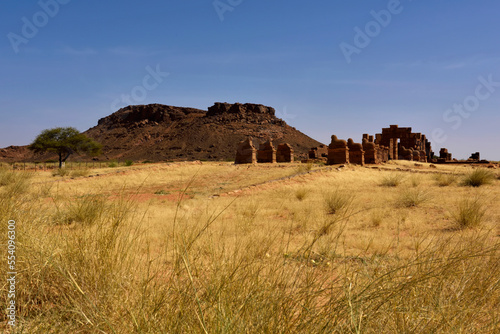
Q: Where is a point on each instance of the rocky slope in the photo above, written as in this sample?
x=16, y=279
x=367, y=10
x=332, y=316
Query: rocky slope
x=157, y=132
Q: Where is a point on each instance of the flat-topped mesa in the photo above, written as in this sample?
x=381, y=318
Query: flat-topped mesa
x=146, y=114
x=237, y=108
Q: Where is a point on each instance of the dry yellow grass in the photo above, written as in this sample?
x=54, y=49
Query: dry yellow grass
x=215, y=247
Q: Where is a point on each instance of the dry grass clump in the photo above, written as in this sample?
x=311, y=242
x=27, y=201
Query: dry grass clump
x=377, y=217
x=478, y=177
x=470, y=212
x=61, y=172
x=80, y=172
x=413, y=197
x=444, y=180
x=304, y=168
x=415, y=180
x=14, y=182
x=301, y=193
x=337, y=200
x=86, y=210
x=392, y=180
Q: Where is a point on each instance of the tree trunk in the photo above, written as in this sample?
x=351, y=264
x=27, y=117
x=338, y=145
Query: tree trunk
x=62, y=161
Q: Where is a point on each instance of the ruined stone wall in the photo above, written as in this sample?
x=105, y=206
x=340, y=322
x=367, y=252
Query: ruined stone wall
x=338, y=151
x=266, y=153
x=284, y=153
x=246, y=153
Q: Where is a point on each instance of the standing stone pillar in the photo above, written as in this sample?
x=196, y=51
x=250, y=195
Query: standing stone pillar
x=338, y=152
x=246, y=152
x=266, y=152
x=371, y=152
x=284, y=153
x=356, y=153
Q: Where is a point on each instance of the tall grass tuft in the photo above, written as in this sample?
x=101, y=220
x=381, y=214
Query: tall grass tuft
x=469, y=213
x=337, y=201
x=444, y=180
x=301, y=193
x=478, y=177
x=413, y=197
x=392, y=180
x=85, y=210
x=81, y=172
x=15, y=182
x=61, y=172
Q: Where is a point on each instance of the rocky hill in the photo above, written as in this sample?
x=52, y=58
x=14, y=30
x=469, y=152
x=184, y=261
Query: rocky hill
x=157, y=132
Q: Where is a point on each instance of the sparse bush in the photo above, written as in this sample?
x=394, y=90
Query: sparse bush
x=444, y=180
x=478, y=177
x=392, y=180
x=301, y=193
x=337, y=201
x=61, y=172
x=413, y=197
x=113, y=164
x=129, y=163
x=469, y=212
x=161, y=192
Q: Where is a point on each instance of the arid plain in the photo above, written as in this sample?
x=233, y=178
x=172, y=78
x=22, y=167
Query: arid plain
x=271, y=248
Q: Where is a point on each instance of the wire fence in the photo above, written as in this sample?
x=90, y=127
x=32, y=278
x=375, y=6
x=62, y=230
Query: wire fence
x=46, y=166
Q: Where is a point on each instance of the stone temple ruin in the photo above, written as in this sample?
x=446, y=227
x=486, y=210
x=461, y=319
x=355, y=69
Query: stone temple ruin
x=392, y=144
x=246, y=152
x=267, y=153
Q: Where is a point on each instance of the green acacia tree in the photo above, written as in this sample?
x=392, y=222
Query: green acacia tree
x=64, y=142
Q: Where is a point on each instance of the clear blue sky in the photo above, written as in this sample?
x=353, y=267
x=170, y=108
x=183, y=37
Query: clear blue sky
x=431, y=65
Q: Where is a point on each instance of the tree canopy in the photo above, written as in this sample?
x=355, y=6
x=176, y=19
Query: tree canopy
x=64, y=142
